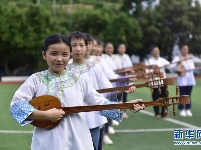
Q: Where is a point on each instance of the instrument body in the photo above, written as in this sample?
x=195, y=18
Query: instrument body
x=44, y=103
x=180, y=70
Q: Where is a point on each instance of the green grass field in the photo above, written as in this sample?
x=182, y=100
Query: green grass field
x=147, y=140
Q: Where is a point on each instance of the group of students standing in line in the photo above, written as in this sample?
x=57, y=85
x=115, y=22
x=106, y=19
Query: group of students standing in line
x=74, y=84
x=184, y=67
x=75, y=81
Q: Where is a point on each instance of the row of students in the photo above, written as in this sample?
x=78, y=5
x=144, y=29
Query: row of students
x=93, y=73
x=103, y=62
x=184, y=65
x=114, y=62
x=157, y=92
x=186, y=80
x=72, y=88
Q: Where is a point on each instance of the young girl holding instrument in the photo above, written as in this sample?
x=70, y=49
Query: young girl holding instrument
x=185, y=79
x=71, y=89
x=94, y=75
x=157, y=62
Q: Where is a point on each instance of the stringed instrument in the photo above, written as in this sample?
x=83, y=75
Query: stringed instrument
x=143, y=66
x=150, y=84
x=183, y=72
x=47, y=102
x=180, y=69
x=136, y=66
x=139, y=75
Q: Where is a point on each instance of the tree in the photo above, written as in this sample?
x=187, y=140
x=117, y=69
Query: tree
x=23, y=28
x=109, y=24
x=195, y=36
x=166, y=24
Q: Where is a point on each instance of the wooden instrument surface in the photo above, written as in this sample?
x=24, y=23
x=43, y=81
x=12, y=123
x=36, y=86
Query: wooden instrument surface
x=47, y=102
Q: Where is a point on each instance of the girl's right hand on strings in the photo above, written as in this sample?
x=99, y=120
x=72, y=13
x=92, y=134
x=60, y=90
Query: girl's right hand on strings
x=55, y=114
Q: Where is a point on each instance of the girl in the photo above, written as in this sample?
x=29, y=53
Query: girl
x=99, y=52
x=185, y=79
x=95, y=77
x=109, y=50
x=123, y=57
x=72, y=90
x=157, y=61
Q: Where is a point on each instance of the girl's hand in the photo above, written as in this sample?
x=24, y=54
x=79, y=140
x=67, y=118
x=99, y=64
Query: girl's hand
x=131, y=89
x=132, y=78
x=55, y=114
x=137, y=107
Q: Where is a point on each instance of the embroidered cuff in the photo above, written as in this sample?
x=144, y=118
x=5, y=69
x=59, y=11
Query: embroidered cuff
x=20, y=111
x=115, y=114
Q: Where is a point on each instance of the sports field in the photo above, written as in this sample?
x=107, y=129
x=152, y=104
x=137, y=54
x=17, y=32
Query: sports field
x=140, y=132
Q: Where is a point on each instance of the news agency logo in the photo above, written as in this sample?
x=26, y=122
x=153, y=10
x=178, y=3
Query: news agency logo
x=181, y=134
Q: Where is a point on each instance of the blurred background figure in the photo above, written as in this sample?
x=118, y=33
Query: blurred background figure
x=185, y=79
x=157, y=62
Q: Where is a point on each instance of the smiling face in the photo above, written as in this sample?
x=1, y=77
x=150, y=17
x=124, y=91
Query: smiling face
x=95, y=47
x=99, y=50
x=155, y=52
x=78, y=50
x=109, y=49
x=57, y=57
x=89, y=47
x=184, y=50
x=122, y=49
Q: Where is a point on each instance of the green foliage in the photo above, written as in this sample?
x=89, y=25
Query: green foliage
x=194, y=42
x=168, y=23
x=24, y=26
x=107, y=23
x=176, y=17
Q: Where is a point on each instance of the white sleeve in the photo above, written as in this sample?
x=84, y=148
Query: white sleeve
x=102, y=80
x=107, y=70
x=19, y=107
x=166, y=63
x=147, y=63
x=110, y=62
x=92, y=97
x=174, y=62
x=103, y=83
x=128, y=61
x=27, y=90
x=192, y=66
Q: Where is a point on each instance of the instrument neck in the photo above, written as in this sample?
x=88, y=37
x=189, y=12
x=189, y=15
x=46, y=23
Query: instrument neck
x=77, y=109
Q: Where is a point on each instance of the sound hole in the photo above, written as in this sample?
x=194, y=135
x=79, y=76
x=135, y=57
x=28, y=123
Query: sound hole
x=47, y=104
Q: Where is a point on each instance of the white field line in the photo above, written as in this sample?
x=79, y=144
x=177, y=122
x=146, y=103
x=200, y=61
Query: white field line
x=146, y=130
x=187, y=125
x=117, y=131
x=15, y=131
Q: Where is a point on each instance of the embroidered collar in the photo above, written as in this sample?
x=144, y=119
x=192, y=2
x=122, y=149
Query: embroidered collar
x=80, y=68
x=94, y=59
x=56, y=83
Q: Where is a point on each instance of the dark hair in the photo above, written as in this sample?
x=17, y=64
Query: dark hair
x=152, y=47
x=99, y=41
x=182, y=45
x=78, y=35
x=55, y=39
x=120, y=45
x=88, y=37
x=109, y=43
